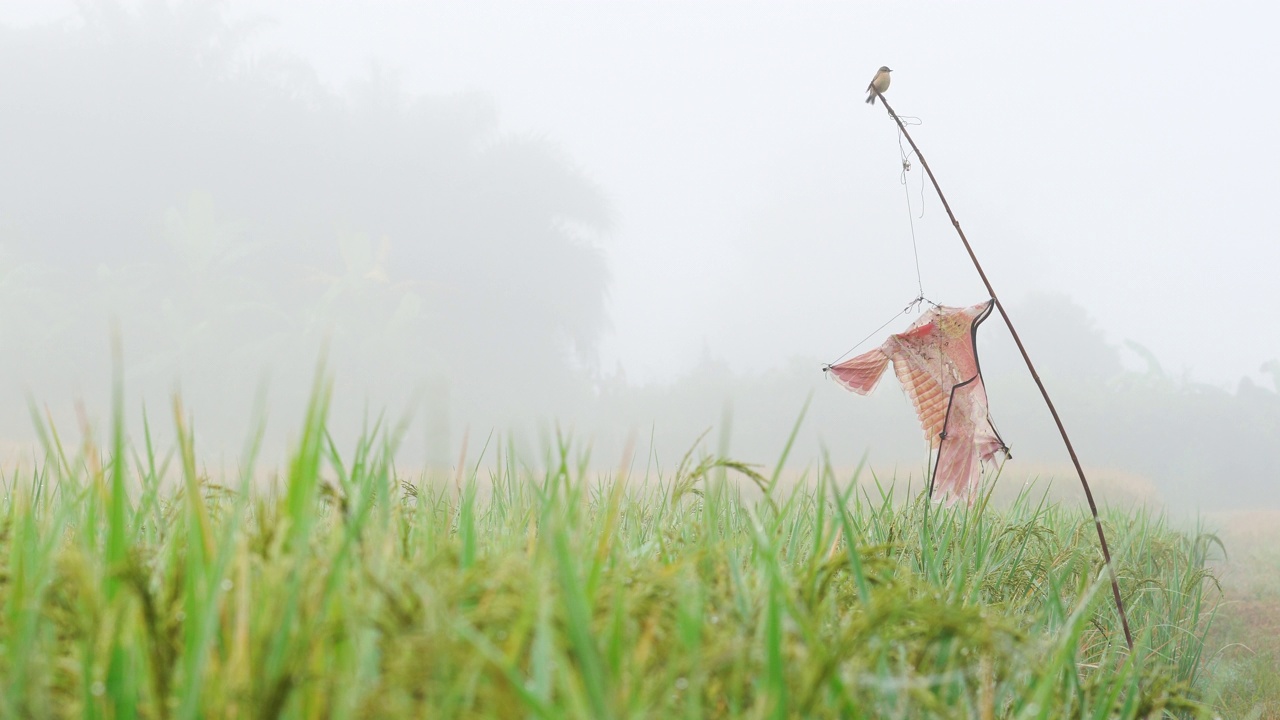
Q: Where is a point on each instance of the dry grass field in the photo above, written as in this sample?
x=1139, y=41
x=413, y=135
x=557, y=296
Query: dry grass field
x=1243, y=648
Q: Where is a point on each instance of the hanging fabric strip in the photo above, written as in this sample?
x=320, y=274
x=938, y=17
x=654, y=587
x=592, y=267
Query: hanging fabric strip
x=936, y=361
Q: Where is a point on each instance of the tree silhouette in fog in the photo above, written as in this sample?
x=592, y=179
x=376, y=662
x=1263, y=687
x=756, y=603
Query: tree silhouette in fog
x=155, y=154
x=1198, y=444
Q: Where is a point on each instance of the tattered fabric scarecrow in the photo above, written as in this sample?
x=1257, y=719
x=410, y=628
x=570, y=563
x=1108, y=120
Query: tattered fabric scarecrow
x=936, y=361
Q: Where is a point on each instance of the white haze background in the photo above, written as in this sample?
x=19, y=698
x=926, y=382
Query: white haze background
x=1119, y=154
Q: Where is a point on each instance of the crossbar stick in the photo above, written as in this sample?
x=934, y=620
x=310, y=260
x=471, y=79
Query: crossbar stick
x=1093, y=507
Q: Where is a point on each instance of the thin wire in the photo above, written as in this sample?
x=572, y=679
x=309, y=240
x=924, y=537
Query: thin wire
x=915, y=246
x=906, y=191
x=922, y=197
x=915, y=249
x=875, y=332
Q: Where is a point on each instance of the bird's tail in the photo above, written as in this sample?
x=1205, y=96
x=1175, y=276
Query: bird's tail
x=871, y=97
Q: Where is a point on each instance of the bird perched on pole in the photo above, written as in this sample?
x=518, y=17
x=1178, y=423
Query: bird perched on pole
x=879, y=84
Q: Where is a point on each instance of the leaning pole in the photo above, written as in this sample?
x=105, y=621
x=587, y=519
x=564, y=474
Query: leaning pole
x=1062, y=430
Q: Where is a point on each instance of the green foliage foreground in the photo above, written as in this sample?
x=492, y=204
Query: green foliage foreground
x=546, y=592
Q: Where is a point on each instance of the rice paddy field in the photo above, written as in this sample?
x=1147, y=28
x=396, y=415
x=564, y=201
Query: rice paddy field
x=135, y=585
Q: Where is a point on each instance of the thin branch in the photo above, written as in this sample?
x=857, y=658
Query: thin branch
x=1093, y=507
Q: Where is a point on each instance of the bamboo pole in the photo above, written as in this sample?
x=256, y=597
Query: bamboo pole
x=1088, y=494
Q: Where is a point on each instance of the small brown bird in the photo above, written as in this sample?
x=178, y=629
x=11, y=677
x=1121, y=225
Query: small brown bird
x=879, y=83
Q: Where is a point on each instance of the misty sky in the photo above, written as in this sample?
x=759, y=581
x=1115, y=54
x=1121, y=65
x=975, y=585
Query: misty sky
x=1124, y=154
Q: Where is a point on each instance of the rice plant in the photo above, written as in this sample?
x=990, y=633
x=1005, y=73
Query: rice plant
x=135, y=586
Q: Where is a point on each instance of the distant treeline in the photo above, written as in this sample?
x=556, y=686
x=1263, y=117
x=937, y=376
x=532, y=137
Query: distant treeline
x=1199, y=446
x=235, y=215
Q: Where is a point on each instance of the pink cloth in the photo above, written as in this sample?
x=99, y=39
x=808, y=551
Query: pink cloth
x=937, y=364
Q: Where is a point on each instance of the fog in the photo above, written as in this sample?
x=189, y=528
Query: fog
x=639, y=220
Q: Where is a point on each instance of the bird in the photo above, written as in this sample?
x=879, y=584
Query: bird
x=879, y=84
